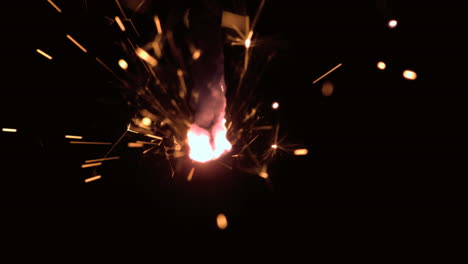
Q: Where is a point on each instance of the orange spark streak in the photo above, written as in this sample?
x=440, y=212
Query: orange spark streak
x=93, y=178
x=327, y=73
x=76, y=43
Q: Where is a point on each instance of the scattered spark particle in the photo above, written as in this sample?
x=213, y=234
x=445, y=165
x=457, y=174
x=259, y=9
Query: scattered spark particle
x=392, y=23
x=247, y=43
x=55, y=6
x=221, y=221
x=73, y=137
x=196, y=54
x=146, y=143
x=153, y=136
x=158, y=24
x=146, y=57
x=92, y=178
x=300, y=152
x=135, y=145
x=327, y=73
x=183, y=87
x=381, y=65
x=262, y=128
x=263, y=174
x=90, y=143
x=274, y=146
x=88, y=165
x=190, y=175
x=103, y=159
x=11, y=130
x=275, y=105
x=123, y=64
x=76, y=43
x=146, y=121
x=410, y=75
x=44, y=54
x=327, y=88
x=119, y=22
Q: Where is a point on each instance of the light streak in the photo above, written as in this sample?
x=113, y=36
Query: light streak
x=158, y=24
x=55, y=6
x=190, y=175
x=120, y=24
x=146, y=57
x=44, y=54
x=88, y=165
x=301, y=152
x=76, y=43
x=73, y=137
x=11, y=130
x=93, y=178
x=327, y=73
x=103, y=159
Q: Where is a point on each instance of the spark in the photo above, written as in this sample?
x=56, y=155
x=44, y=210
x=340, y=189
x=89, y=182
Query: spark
x=381, y=65
x=158, y=24
x=135, y=145
x=275, y=105
x=92, y=178
x=103, y=159
x=263, y=174
x=221, y=221
x=146, y=121
x=73, y=137
x=190, y=175
x=327, y=88
x=183, y=87
x=146, y=57
x=55, y=6
x=392, y=23
x=123, y=64
x=88, y=165
x=153, y=136
x=44, y=54
x=263, y=128
x=301, y=152
x=247, y=43
x=76, y=43
x=196, y=54
x=90, y=143
x=11, y=130
x=410, y=75
x=119, y=22
x=327, y=73
x=274, y=146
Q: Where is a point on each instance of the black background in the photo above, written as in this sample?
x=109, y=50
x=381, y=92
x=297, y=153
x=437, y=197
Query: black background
x=382, y=150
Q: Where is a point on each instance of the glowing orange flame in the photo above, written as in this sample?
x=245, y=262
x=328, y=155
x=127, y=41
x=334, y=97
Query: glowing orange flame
x=206, y=146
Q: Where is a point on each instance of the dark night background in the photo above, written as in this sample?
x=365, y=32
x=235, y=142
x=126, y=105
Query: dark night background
x=382, y=150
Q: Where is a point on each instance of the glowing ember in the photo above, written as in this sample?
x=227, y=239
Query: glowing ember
x=221, y=221
x=275, y=105
x=392, y=23
x=205, y=145
x=410, y=75
x=381, y=65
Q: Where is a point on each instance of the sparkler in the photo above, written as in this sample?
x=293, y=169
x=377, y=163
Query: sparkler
x=183, y=107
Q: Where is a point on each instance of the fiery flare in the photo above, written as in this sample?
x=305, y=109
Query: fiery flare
x=208, y=145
